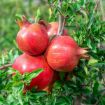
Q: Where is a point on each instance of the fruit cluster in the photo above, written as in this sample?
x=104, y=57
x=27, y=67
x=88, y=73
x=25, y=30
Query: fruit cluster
x=43, y=48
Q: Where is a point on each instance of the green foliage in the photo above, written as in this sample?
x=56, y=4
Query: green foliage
x=85, y=25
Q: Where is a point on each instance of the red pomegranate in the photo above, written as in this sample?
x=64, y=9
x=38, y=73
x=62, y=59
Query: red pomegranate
x=26, y=63
x=63, y=53
x=56, y=77
x=52, y=28
x=32, y=38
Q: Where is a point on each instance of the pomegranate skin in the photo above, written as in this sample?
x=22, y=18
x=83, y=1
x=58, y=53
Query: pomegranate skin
x=26, y=63
x=53, y=29
x=56, y=77
x=63, y=53
x=32, y=39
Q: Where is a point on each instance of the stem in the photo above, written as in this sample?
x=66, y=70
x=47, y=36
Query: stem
x=97, y=2
x=5, y=66
x=102, y=10
x=99, y=6
x=78, y=100
x=61, y=20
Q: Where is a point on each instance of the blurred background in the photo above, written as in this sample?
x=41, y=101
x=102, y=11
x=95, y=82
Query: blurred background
x=9, y=9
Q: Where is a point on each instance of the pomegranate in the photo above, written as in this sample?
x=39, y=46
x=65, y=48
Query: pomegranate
x=26, y=63
x=32, y=38
x=56, y=77
x=63, y=53
x=52, y=28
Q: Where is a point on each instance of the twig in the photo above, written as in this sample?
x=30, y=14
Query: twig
x=61, y=20
x=78, y=100
x=102, y=10
x=5, y=66
x=97, y=2
x=99, y=6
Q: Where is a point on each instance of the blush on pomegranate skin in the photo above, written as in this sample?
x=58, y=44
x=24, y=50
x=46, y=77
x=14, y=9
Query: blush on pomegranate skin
x=32, y=38
x=63, y=54
x=26, y=63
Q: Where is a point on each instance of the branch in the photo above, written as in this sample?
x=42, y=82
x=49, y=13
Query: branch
x=97, y=2
x=61, y=20
x=77, y=100
x=5, y=66
x=99, y=6
x=102, y=10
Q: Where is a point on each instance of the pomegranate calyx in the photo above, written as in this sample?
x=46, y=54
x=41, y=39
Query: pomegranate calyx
x=43, y=23
x=82, y=52
x=23, y=22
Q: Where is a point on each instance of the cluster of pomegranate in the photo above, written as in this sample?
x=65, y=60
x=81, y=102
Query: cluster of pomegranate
x=40, y=50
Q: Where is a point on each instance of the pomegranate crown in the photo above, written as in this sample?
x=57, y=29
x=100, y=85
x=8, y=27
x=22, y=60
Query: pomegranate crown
x=82, y=52
x=43, y=23
x=23, y=22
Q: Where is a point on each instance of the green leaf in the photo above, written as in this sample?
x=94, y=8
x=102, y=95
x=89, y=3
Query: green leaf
x=40, y=94
x=2, y=100
x=86, y=70
x=95, y=88
x=29, y=76
x=18, y=16
x=38, y=14
x=10, y=99
x=92, y=61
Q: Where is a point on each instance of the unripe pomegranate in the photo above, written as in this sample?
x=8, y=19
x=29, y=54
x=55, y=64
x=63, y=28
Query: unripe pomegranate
x=32, y=38
x=52, y=28
x=63, y=53
x=26, y=63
